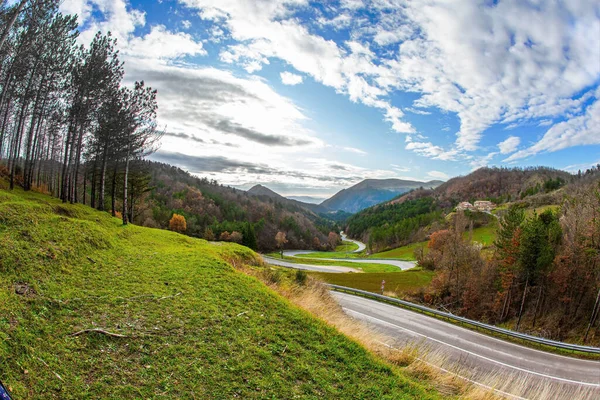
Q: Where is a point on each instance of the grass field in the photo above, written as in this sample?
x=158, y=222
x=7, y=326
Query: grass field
x=398, y=282
x=191, y=325
x=346, y=247
x=402, y=253
x=486, y=235
x=365, y=267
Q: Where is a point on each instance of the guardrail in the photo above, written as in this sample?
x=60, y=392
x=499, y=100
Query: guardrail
x=491, y=328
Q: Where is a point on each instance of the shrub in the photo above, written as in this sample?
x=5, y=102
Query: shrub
x=177, y=223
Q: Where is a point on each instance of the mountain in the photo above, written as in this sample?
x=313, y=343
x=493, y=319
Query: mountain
x=307, y=199
x=371, y=192
x=264, y=192
x=213, y=211
x=496, y=184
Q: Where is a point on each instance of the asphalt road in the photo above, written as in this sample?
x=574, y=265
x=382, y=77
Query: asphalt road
x=361, y=245
x=307, y=267
x=478, y=355
x=403, y=265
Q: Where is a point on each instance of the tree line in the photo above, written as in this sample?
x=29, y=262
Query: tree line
x=541, y=276
x=68, y=125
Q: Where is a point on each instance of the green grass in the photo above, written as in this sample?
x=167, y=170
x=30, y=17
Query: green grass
x=346, y=247
x=365, y=267
x=195, y=327
x=402, y=253
x=486, y=235
x=399, y=282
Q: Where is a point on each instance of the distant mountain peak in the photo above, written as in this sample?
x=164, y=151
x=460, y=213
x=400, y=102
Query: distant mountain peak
x=370, y=192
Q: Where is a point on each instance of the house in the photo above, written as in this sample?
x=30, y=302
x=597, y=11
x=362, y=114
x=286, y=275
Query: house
x=465, y=205
x=484, y=205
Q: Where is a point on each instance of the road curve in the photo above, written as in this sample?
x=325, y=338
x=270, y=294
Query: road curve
x=307, y=267
x=361, y=245
x=403, y=265
x=474, y=352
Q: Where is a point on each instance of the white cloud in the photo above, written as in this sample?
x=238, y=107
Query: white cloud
x=428, y=149
x=509, y=145
x=118, y=18
x=485, y=63
x=399, y=168
x=186, y=24
x=287, y=78
x=438, y=175
x=417, y=111
x=162, y=44
x=577, y=131
x=267, y=29
x=355, y=150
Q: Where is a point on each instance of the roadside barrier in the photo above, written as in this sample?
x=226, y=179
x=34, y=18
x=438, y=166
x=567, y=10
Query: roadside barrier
x=466, y=321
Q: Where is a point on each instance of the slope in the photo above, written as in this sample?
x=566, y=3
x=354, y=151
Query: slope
x=212, y=209
x=371, y=192
x=263, y=191
x=192, y=326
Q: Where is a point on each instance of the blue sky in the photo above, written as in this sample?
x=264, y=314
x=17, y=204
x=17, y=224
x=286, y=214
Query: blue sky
x=308, y=97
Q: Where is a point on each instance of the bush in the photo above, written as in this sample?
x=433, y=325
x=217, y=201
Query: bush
x=301, y=277
x=177, y=223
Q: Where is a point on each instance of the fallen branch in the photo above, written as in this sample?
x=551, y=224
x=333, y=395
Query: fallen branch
x=242, y=313
x=55, y=374
x=168, y=297
x=102, y=331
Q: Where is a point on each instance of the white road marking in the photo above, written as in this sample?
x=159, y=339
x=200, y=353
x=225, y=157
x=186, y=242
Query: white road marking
x=475, y=354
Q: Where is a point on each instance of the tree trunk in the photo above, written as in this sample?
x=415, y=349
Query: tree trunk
x=93, y=183
x=595, y=313
x=77, y=163
x=522, y=303
x=11, y=23
x=125, y=188
x=84, y=183
x=114, y=191
x=102, y=179
x=537, y=303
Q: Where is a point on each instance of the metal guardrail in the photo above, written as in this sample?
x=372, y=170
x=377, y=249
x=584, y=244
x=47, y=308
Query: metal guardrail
x=502, y=331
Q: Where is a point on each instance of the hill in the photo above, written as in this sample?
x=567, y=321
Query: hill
x=371, y=192
x=212, y=209
x=496, y=184
x=265, y=192
x=411, y=217
x=93, y=309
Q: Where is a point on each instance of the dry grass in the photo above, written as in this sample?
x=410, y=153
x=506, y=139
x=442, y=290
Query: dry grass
x=450, y=377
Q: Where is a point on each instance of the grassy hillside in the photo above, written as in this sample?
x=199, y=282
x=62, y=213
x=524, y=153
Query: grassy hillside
x=396, y=283
x=192, y=326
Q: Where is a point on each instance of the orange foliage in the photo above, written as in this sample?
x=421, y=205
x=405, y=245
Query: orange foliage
x=177, y=223
x=438, y=239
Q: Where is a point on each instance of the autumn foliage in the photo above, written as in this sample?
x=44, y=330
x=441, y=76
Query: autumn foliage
x=177, y=223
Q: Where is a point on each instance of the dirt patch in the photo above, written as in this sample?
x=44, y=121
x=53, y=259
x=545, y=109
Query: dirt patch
x=64, y=211
x=23, y=289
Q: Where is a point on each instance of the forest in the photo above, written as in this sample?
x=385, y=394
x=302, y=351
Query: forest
x=216, y=212
x=542, y=275
x=68, y=124
x=71, y=128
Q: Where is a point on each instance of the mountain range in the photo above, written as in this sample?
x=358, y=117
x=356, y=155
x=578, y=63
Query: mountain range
x=355, y=198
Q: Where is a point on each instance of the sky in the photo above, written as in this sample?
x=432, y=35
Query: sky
x=309, y=97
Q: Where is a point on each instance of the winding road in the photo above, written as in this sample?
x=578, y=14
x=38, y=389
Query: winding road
x=510, y=369
x=403, y=265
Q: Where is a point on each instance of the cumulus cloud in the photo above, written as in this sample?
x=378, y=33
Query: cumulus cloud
x=118, y=18
x=485, y=63
x=287, y=78
x=577, y=131
x=509, y=145
x=162, y=44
